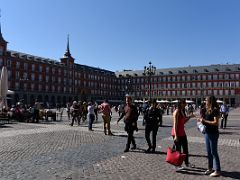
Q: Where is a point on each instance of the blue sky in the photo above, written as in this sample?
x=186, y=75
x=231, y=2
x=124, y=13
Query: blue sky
x=126, y=34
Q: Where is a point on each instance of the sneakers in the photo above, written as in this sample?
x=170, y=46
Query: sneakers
x=215, y=174
x=148, y=150
x=134, y=147
x=209, y=171
x=179, y=168
x=126, y=150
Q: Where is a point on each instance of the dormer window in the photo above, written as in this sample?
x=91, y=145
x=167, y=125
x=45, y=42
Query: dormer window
x=1, y=50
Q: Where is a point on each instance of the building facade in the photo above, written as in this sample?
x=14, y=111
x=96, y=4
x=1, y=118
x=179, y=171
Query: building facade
x=193, y=83
x=58, y=82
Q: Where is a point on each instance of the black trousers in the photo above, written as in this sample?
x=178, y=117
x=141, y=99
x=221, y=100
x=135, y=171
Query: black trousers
x=130, y=138
x=224, y=120
x=148, y=130
x=182, y=143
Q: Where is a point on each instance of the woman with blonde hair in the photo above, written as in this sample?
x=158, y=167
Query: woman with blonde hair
x=211, y=120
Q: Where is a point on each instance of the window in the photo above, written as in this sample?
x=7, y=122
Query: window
x=33, y=67
x=47, y=78
x=40, y=87
x=47, y=70
x=17, y=85
x=9, y=63
x=40, y=77
x=33, y=77
x=25, y=66
x=209, y=77
x=183, y=93
x=215, y=77
x=1, y=50
x=32, y=87
x=194, y=93
x=40, y=68
x=25, y=76
x=17, y=75
x=237, y=76
x=18, y=65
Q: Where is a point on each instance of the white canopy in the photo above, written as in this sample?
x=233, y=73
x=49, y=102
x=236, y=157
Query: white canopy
x=219, y=101
x=189, y=101
x=3, y=87
x=162, y=101
x=175, y=101
x=10, y=92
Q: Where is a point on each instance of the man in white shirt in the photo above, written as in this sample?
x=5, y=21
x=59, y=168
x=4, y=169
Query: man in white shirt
x=224, y=115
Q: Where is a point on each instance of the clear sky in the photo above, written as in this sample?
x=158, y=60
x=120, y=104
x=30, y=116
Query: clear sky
x=126, y=34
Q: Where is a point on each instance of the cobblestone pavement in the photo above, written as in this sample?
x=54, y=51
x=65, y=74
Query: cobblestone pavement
x=55, y=150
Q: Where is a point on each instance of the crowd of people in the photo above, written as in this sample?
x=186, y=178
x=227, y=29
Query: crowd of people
x=210, y=115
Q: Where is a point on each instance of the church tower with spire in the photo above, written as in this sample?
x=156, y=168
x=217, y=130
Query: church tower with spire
x=68, y=61
x=67, y=58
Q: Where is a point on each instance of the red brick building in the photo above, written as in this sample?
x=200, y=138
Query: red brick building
x=193, y=83
x=50, y=81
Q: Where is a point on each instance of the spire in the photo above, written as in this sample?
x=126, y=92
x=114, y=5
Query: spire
x=1, y=37
x=67, y=53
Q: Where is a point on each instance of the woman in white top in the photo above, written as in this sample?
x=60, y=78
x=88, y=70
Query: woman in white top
x=91, y=115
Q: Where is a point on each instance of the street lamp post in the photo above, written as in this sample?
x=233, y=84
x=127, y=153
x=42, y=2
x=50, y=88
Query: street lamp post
x=150, y=71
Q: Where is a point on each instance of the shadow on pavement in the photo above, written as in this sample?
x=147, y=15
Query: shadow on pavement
x=5, y=126
x=191, y=172
x=141, y=150
x=234, y=175
x=229, y=133
x=198, y=155
x=165, y=126
x=232, y=128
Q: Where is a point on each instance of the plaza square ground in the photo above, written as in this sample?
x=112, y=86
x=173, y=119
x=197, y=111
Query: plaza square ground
x=54, y=150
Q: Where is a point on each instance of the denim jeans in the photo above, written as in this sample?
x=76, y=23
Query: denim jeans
x=91, y=118
x=212, y=151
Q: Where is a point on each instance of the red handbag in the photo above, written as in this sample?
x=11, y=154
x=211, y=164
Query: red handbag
x=174, y=157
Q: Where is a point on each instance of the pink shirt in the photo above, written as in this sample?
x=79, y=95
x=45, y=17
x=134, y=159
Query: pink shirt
x=180, y=126
x=105, y=108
